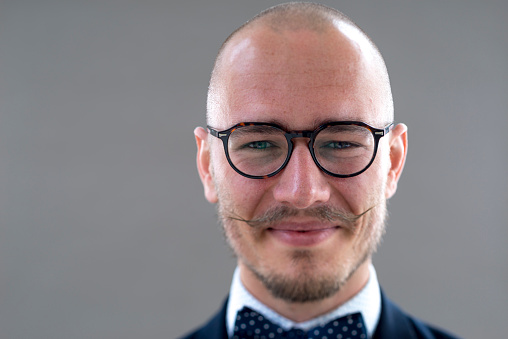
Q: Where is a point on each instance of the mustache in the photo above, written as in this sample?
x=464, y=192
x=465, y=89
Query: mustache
x=322, y=213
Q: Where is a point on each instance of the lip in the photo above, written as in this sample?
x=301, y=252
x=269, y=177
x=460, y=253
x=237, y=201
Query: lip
x=302, y=235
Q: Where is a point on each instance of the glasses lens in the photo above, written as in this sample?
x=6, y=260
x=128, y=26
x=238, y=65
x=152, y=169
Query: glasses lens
x=344, y=149
x=257, y=150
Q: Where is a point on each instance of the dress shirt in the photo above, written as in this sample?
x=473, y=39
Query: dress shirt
x=367, y=302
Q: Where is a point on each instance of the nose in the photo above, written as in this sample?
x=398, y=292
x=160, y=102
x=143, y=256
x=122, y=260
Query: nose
x=301, y=184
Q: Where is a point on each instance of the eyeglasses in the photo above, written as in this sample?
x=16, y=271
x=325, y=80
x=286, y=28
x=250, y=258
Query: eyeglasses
x=260, y=150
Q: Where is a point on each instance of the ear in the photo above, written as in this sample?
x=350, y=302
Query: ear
x=204, y=164
x=398, y=151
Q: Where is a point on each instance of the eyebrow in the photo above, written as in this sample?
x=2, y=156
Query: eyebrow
x=315, y=123
x=256, y=129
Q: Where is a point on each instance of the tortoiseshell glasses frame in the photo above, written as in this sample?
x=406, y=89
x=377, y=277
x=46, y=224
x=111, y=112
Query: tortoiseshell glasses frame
x=377, y=134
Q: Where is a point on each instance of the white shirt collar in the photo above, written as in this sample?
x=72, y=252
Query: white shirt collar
x=367, y=302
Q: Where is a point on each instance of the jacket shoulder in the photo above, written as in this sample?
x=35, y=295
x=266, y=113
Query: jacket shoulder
x=394, y=323
x=428, y=331
x=215, y=328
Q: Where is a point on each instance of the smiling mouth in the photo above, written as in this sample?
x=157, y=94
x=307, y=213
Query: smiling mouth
x=302, y=231
x=302, y=237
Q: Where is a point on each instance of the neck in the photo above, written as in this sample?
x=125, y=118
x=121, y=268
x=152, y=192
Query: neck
x=300, y=312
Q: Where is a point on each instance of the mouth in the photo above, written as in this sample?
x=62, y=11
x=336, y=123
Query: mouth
x=302, y=235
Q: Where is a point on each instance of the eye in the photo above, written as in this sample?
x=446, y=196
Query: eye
x=259, y=145
x=337, y=145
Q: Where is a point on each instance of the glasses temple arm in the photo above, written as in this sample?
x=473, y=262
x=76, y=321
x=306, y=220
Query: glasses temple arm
x=388, y=128
x=213, y=132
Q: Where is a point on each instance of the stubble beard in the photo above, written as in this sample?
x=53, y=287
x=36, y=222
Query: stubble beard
x=311, y=282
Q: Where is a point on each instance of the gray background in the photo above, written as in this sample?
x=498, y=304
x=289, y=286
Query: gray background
x=104, y=231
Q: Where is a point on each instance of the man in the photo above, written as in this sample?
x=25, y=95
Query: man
x=300, y=156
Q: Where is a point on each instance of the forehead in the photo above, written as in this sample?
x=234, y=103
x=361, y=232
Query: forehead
x=297, y=79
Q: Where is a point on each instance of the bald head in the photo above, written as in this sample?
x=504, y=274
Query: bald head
x=284, y=33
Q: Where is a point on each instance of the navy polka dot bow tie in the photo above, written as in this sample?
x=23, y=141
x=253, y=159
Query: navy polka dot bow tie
x=252, y=325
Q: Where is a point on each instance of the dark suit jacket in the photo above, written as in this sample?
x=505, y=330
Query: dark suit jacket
x=393, y=324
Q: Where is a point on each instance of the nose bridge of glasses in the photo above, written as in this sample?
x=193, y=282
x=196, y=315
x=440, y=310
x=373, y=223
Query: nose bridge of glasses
x=298, y=134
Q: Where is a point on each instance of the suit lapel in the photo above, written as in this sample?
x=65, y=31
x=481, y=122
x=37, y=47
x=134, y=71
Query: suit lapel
x=393, y=323
x=215, y=328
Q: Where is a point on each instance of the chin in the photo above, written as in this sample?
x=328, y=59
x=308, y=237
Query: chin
x=302, y=281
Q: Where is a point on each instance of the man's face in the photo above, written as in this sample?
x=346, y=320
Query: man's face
x=298, y=80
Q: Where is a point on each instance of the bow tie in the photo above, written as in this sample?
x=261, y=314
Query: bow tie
x=252, y=325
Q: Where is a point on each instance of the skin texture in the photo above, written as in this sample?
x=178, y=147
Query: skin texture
x=300, y=78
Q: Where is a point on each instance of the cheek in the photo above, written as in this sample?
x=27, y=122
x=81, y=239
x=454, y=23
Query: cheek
x=243, y=196
x=365, y=190
x=354, y=191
